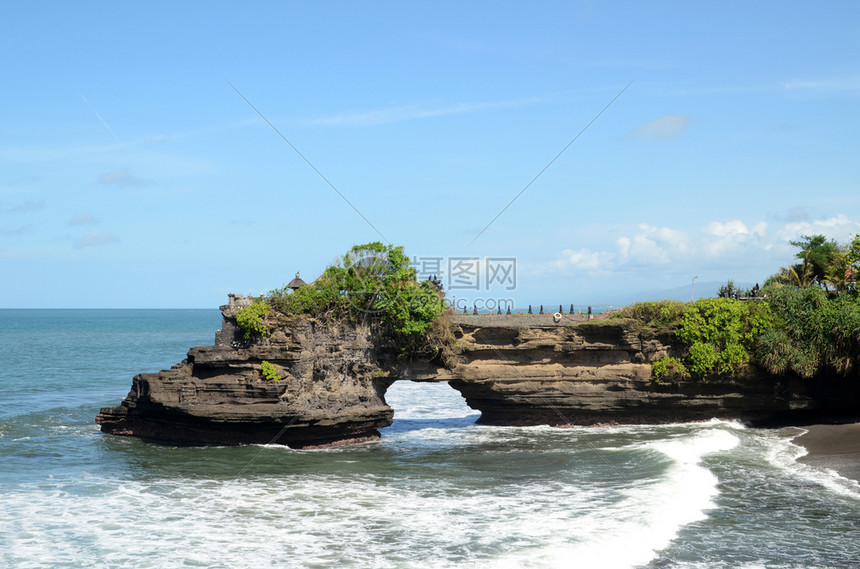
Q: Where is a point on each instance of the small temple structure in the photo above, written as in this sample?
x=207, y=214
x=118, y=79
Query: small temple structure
x=296, y=282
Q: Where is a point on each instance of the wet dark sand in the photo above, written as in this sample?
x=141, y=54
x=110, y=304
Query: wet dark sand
x=833, y=446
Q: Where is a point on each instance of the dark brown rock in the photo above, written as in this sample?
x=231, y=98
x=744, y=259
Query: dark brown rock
x=330, y=390
x=519, y=369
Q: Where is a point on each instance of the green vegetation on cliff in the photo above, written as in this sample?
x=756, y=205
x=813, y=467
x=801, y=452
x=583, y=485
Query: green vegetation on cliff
x=370, y=282
x=269, y=371
x=805, y=322
x=718, y=334
x=816, y=307
x=252, y=319
x=814, y=332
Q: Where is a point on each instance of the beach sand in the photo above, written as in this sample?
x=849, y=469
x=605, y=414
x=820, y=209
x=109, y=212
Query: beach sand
x=836, y=447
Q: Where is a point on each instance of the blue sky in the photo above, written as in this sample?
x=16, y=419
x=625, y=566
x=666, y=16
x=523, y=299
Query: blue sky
x=133, y=175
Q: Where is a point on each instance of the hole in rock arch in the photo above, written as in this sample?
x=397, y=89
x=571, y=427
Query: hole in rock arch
x=427, y=405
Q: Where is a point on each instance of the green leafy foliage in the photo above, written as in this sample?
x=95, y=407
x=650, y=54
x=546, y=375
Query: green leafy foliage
x=251, y=319
x=720, y=333
x=653, y=313
x=669, y=368
x=269, y=371
x=728, y=290
x=818, y=254
x=371, y=281
x=824, y=263
x=814, y=332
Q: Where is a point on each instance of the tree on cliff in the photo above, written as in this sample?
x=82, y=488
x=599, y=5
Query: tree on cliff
x=818, y=253
x=813, y=332
x=373, y=281
x=824, y=263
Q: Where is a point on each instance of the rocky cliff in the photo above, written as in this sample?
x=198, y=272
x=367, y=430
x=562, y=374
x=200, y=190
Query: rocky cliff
x=514, y=369
x=600, y=372
x=330, y=389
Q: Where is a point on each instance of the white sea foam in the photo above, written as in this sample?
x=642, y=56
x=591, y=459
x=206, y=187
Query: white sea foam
x=785, y=454
x=427, y=400
x=324, y=520
x=312, y=522
x=630, y=532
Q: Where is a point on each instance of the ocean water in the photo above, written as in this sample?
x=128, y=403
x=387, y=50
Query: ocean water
x=436, y=491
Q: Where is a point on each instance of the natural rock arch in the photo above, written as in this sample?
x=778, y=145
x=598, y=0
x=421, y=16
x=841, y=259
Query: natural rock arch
x=334, y=375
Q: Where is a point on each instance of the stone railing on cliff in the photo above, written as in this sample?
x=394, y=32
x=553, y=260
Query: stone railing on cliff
x=520, y=369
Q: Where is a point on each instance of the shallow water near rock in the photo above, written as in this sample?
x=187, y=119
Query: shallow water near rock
x=436, y=491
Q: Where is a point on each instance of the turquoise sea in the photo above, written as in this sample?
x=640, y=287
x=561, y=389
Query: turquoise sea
x=437, y=491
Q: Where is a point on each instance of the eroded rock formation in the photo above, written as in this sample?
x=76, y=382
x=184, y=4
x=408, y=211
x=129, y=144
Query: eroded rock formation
x=330, y=390
x=600, y=372
x=514, y=369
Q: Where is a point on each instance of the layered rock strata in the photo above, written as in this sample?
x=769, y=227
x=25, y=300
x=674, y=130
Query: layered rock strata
x=600, y=372
x=516, y=370
x=330, y=390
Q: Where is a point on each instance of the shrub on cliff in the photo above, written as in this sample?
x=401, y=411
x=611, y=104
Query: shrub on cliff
x=251, y=319
x=718, y=334
x=371, y=281
x=813, y=333
x=269, y=371
x=669, y=368
x=656, y=313
x=721, y=333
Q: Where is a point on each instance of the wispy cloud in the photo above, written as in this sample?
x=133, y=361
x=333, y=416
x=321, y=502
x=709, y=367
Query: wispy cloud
x=794, y=214
x=46, y=153
x=415, y=112
x=665, y=127
x=96, y=238
x=15, y=231
x=29, y=205
x=830, y=86
x=84, y=218
x=839, y=227
x=123, y=178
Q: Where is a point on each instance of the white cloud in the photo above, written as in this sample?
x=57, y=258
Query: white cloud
x=669, y=126
x=123, y=178
x=724, y=237
x=652, y=245
x=584, y=259
x=839, y=227
x=96, y=238
x=716, y=245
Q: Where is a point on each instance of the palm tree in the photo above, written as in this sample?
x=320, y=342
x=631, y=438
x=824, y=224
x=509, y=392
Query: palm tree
x=801, y=275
